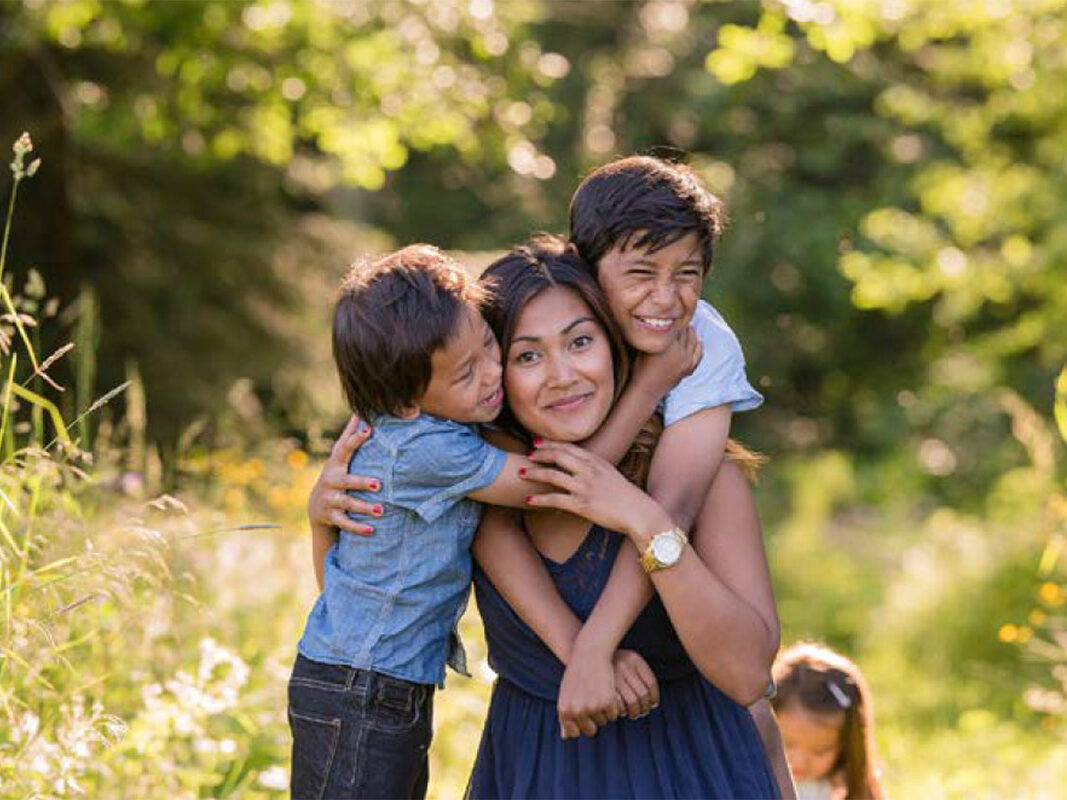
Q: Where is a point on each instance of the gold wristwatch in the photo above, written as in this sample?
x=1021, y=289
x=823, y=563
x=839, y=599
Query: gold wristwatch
x=664, y=550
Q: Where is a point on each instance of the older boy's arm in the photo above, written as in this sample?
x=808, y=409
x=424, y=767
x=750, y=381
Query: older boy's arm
x=684, y=464
x=652, y=378
x=510, y=560
x=638, y=403
x=687, y=457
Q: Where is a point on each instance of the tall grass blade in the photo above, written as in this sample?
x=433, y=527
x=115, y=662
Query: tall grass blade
x=47, y=405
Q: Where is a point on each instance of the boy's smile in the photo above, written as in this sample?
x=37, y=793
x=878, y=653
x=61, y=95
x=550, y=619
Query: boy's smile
x=652, y=294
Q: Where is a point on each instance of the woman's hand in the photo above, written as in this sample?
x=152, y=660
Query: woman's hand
x=592, y=488
x=329, y=501
x=662, y=371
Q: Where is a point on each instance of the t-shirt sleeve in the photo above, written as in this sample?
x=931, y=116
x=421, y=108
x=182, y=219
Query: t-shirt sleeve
x=719, y=377
x=440, y=465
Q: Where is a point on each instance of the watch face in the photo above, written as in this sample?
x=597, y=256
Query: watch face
x=666, y=549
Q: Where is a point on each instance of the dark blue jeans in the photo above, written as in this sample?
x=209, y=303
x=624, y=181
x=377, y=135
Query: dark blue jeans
x=358, y=733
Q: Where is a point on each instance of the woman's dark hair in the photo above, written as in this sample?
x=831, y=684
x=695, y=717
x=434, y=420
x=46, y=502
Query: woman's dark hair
x=547, y=262
x=820, y=681
x=643, y=201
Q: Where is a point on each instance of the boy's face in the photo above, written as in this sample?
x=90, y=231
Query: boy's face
x=465, y=381
x=652, y=295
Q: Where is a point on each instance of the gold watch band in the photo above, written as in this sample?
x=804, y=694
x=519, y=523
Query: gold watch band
x=648, y=559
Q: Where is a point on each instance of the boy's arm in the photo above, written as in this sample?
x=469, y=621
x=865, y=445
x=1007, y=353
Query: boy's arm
x=652, y=378
x=509, y=558
x=684, y=464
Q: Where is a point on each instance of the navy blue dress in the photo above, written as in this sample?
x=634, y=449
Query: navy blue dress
x=697, y=743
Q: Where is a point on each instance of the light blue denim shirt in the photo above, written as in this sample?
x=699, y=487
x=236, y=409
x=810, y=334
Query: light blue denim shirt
x=719, y=377
x=391, y=601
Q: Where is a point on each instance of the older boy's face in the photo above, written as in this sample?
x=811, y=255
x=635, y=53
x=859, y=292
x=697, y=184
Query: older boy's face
x=652, y=295
x=465, y=382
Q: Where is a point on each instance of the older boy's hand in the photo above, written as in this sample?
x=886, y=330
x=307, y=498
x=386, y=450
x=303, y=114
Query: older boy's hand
x=662, y=371
x=635, y=683
x=587, y=696
x=329, y=503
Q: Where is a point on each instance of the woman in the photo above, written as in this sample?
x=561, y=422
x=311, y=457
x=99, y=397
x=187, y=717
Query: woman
x=564, y=362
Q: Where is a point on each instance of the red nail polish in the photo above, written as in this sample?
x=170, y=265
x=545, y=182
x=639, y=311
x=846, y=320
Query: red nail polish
x=529, y=497
x=538, y=441
x=375, y=486
x=522, y=472
x=377, y=511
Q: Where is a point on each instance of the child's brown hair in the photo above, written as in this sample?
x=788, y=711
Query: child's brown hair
x=821, y=681
x=643, y=201
x=391, y=315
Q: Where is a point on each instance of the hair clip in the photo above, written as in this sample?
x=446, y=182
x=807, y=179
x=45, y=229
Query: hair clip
x=842, y=699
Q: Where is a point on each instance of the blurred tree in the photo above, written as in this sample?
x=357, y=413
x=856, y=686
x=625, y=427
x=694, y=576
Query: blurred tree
x=894, y=173
x=181, y=137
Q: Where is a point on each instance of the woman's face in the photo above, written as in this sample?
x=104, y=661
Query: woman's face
x=558, y=374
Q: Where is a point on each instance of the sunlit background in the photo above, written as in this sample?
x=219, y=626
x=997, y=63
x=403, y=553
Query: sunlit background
x=896, y=177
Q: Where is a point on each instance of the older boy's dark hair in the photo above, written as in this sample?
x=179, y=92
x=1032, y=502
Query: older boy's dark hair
x=391, y=315
x=643, y=201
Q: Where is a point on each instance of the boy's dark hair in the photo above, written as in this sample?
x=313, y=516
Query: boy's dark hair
x=663, y=200
x=391, y=315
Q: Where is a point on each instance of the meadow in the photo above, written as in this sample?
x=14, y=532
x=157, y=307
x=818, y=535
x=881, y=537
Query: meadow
x=147, y=637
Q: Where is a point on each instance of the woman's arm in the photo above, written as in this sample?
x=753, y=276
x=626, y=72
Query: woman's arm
x=509, y=558
x=329, y=504
x=706, y=611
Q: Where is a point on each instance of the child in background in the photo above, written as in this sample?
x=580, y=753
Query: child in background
x=827, y=721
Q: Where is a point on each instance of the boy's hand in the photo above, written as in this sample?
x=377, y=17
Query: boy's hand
x=329, y=500
x=662, y=371
x=635, y=683
x=587, y=696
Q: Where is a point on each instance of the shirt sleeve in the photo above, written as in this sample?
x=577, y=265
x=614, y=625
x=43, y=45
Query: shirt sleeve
x=441, y=464
x=719, y=377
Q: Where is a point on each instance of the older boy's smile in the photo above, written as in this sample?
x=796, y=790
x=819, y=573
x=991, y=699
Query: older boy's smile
x=653, y=294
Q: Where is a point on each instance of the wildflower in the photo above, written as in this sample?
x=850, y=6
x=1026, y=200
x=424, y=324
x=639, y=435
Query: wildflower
x=1051, y=594
x=274, y=778
x=23, y=147
x=1008, y=633
x=297, y=459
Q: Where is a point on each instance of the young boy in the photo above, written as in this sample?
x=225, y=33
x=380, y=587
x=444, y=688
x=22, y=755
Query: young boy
x=418, y=362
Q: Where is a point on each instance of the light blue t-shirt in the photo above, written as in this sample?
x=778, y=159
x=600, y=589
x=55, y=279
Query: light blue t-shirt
x=719, y=377
x=391, y=601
